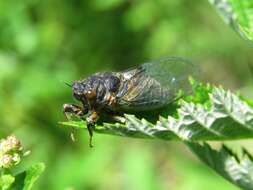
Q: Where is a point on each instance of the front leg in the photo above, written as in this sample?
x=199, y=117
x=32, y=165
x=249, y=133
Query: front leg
x=73, y=109
x=91, y=120
x=78, y=111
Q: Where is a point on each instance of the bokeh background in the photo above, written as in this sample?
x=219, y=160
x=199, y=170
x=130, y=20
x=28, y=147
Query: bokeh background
x=44, y=43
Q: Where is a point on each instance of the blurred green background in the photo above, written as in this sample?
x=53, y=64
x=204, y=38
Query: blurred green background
x=43, y=43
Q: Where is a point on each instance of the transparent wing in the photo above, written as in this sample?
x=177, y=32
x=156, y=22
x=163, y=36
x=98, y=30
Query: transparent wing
x=154, y=84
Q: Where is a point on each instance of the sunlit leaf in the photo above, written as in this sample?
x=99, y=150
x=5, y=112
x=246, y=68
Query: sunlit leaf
x=238, y=14
x=26, y=179
x=6, y=181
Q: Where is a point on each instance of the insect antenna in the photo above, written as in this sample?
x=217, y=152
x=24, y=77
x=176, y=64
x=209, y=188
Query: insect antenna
x=66, y=83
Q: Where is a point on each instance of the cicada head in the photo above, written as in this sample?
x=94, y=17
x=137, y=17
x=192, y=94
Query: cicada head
x=78, y=89
x=90, y=90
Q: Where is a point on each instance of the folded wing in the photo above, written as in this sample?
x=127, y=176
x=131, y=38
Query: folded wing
x=154, y=84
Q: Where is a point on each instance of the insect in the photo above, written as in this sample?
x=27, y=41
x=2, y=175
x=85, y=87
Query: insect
x=147, y=87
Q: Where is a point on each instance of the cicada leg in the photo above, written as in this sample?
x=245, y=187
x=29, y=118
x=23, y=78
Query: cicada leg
x=91, y=120
x=72, y=109
x=90, y=130
x=75, y=110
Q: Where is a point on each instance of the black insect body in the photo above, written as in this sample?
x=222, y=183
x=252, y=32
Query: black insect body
x=150, y=86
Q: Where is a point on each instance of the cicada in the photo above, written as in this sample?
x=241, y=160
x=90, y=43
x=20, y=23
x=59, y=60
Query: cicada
x=147, y=87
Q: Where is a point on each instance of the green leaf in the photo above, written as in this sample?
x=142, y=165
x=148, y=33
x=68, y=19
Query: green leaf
x=6, y=181
x=238, y=14
x=26, y=179
x=237, y=170
x=226, y=118
x=32, y=175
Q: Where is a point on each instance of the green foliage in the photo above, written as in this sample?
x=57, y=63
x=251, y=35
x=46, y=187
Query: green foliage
x=25, y=180
x=45, y=43
x=238, y=14
x=200, y=93
x=104, y=5
x=6, y=181
x=32, y=174
x=236, y=169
